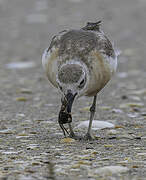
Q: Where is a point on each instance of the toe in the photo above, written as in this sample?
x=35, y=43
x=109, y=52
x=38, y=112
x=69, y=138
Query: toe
x=72, y=135
x=88, y=137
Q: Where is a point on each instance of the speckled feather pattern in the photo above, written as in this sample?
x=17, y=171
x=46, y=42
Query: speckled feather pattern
x=79, y=43
x=91, y=48
x=70, y=73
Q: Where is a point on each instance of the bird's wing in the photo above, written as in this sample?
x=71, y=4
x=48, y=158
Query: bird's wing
x=50, y=58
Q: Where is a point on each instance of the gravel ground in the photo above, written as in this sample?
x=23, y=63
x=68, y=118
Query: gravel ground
x=31, y=142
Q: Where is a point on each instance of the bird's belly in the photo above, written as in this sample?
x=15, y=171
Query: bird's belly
x=100, y=73
x=49, y=61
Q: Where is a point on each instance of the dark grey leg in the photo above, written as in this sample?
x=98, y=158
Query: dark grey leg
x=64, y=130
x=72, y=134
x=92, y=112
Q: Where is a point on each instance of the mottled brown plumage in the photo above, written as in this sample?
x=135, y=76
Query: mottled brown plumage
x=80, y=62
x=70, y=74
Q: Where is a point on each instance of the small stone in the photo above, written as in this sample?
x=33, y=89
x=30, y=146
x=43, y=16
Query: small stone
x=141, y=154
x=75, y=166
x=20, y=65
x=95, y=152
x=117, y=111
x=9, y=152
x=112, y=132
x=137, y=137
x=135, y=109
x=143, y=113
x=86, y=157
x=118, y=126
x=108, y=170
x=6, y=131
x=96, y=125
x=143, y=138
x=134, y=166
x=108, y=145
x=23, y=134
x=125, y=136
x=25, y=91
x=21, y=99
x=67, y=140
x=20, y=115
x=132, y=115
x=35, y=163
x=112, y=137
x=128, y=159
x=136, y=104
x=124, y=97
x=84, y=163
x=135, y=98
x=132, y=105
x=32, y=146
x=139, y=92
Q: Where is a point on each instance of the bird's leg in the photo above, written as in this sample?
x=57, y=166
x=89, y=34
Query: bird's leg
x=72, y=134
x=92, y=112
x=64, y=130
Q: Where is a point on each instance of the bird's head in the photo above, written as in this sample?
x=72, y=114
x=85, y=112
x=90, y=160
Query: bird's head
x=72, y=80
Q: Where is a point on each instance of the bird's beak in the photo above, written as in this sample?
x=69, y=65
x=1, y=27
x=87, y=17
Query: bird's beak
x=70, y=98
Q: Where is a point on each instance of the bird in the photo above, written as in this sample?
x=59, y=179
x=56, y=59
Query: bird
x=79, y=62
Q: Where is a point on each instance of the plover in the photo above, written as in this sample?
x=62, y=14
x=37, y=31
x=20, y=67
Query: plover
x=79, y=62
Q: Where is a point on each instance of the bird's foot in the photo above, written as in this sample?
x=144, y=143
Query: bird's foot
x=88, y=137
x=72, y=135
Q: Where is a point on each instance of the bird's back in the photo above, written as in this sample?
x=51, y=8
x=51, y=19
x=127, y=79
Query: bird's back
x=79, y=43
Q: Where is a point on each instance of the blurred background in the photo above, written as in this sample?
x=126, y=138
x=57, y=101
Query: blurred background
x=26, y=29
x=28, y=101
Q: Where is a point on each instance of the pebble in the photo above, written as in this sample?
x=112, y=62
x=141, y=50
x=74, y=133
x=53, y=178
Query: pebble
x=139, y=92
x=21, y=99
x=142, y=154
x=20, y=65
x=112, y=132
x=9, y=152
x=67, y=140
x=6, y=131
x=143, y=138
x=117, y=111
x=96, y=125
x=32, y=146
x=143, y=113
x=108, y=170
x=125, y=136
x=132, y=115
x=135, y=98
x=25, y=91
x=132, y=105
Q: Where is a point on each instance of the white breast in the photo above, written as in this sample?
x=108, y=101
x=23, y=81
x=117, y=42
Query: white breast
x=45, y=58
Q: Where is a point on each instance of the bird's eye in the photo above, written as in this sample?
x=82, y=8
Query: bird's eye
x=81, y=83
